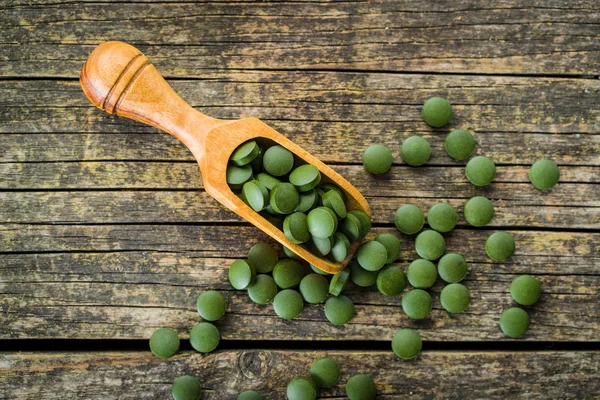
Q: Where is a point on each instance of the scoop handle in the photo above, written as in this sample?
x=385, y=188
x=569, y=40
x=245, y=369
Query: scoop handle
x=119, y=79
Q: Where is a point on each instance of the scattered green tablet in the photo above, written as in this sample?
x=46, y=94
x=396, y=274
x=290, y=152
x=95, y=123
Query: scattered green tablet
x=430, y=245
x=372, y=255
x=421, y=274
x=211, y=305
x=415, y=151
x=295, y=228
x=409, y=219
x=478, y=211
x=249, y=395
x=452, y=268
x=392, y=246
x=288, y=304
x=241, y=274
x=334, y=201
x=263, y=290
x=288, y=273
x=544, y=174
x=278, y=161
x=322, y=222
x=325, y=372
x=525, y=290
x=237, y=176
x=442, y=217
x=377, y=159
x=186, y=388
x=339, y=281
x=256, y=195
x=284, y=198
x=480, y=171
x=437, y=111
x=407, y=344
x=391, y=280
x=514, y=322
x=339, y=310
x=263, y=257
x=361, y=387
x=360, y=276
x=204, y=337
x=245, y=153
x=301, y=389
x=416, y=303
x=455, y=298
x=164, y=342
x=306, y=177
x=314, y=288
x=500, y=246
x=459, y=144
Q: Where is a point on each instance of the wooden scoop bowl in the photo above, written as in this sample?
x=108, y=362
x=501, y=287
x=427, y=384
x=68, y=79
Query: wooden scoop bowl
x=119, y=79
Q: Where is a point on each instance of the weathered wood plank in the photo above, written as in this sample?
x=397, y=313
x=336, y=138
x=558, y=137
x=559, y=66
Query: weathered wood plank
x=186, y=39
x=139, y=375
x=481, y=103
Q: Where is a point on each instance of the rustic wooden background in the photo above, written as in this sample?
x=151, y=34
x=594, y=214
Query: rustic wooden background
x=106, y=232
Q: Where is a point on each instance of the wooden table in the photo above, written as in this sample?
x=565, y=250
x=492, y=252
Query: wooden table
x=106, y=233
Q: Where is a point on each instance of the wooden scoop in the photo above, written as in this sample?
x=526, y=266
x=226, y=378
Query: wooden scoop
x=119, y=79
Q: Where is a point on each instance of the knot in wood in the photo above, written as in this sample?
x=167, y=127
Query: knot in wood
x=254, y=364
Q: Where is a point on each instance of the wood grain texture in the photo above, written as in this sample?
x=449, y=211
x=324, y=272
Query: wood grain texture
x=189, y=38
x=224, y=374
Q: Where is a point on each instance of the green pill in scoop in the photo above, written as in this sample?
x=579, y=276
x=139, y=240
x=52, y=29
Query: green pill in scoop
x=392, y=246
x=256, y=195
x=361, y=387
x=308, y=201
x=295, y=228
x=284, y=198
x=372, y=255
x=241, y=274
x=325, y=372
x=377, y=159
x=415, y=151
x=365, y=222
x=391, y=280
x=321, y=247
x=430, y=245
x=314, y=288
x=442, y=217
x=245, y=153
x=288, y=273
x=211, y=305
x=306, y=177
x=204, y=337
x=500, y=246
x=514, y=322
x=339, y=281
x=334, y=201
x=361, y=277
x=288, y=304
x=351, y=227
x=421, y=274
x=544, y=174
x=249, y=395
x=409, y=219
x=267, y=180
x=341, y=247
x=263, y=290
x=263, y=257
x=480, y=171
x=437, y=111
x=416, y=303
x=318, y=271
x=459, y=144
x=525, y=290
x=326, y=187
x=455, y=298
x=278, y=161
x=407, y=344
x=186, y=388
x=301, y=389
x=237, y=176
x=164, y=342
x=322, y=222
x=478, y=211
x=289, y=253
x=452, y=268
x=339, y=310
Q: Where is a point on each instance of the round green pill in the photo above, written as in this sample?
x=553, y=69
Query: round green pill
x=237, y=176
x=430, y=245
x=442, y=217
x=322, y=222
x=284, y=198
x=544, y=174
x=452, y=268
x=514, y=322
x=308, y=201
x=421, y=274
x=409, y=219
x=351, y=227
x=186, y=388
x=321, y=247
x=164, y=342
x=326, y=187
x=437, y=111
x=361, y=387
x=278, y=161
x=499, y=246
x=525, y=290
x=455, y=298
x=263, y=290
x=314, y=288
x=377, y=159
x=249, y=395
x=360, y=276
x=288, y=304
x=204, y=337
x=325, y=372
x=211, y=305
x=257, y=163
x=295, y=228
x=480, y=171
x=391, y=244
x=339, y=310
x=372, y=255
x=416, y=303
x=267, y=180
x=459, y=144
x=407, y=344
x=318, y=271
x=245, y=153
x=334, y=201
x=478, y=211
x=391, y=280
x=365, y=222
x=241, y=274
x=263, y=257
x=341, y=247
x=291, y=254
x=339, y=281
x=301, y=389
x=288, y=273
x=306, y=177
x=415, y=151
x=256, y=195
